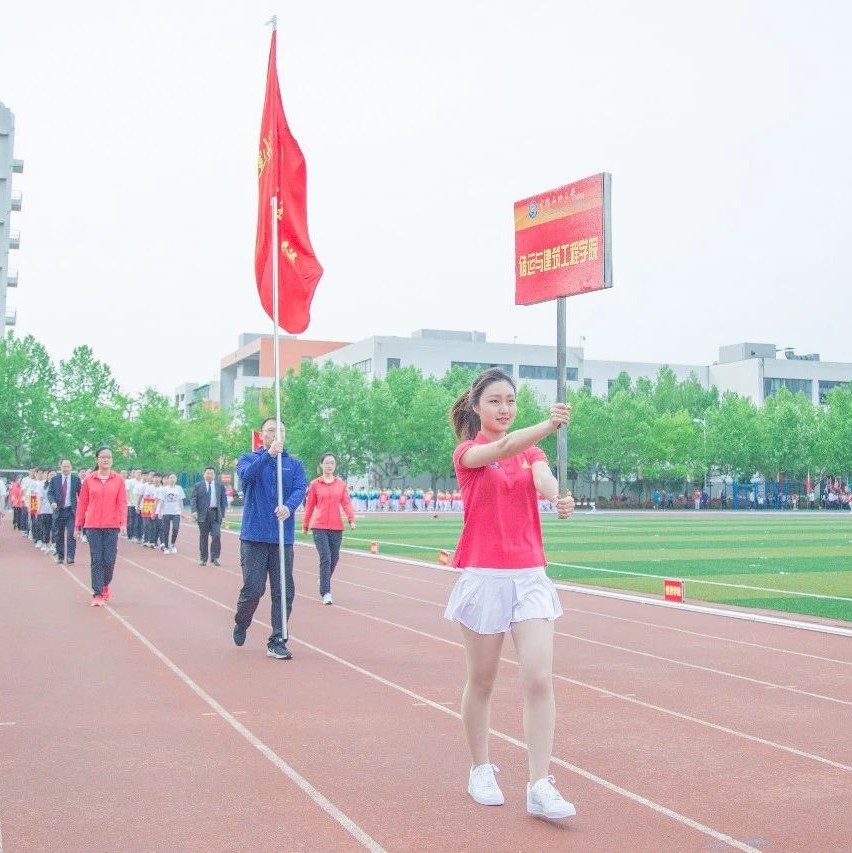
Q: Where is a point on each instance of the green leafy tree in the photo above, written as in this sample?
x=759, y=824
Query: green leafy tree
x=390, y=446
x=326, y=409
x=832, y=452
x=209, y=437
x=91, y=409
x=430, y=433
x=27, y=410
x=154, y=434
x=788, y=434
x=734, y=437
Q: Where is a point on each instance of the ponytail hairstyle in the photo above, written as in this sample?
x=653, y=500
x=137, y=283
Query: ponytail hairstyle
x=463, y=418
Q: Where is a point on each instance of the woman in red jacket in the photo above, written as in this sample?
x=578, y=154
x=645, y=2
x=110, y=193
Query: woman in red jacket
x=101, y=513
x=327, y=495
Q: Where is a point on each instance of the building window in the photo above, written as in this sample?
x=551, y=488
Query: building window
x=825, y=385
x=536, y=371
x=588, y=383
x=365, y=366
x=572, y=374
x=392, y=364
x=772, y=386
x=478, y=366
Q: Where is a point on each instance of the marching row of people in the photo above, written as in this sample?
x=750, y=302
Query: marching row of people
x=502, y=589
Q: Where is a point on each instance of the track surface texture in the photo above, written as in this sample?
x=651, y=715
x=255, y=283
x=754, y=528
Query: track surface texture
x=140, y=726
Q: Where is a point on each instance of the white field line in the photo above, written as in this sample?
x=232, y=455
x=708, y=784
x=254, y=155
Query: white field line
x=325, y=804
x=638, y=599
x=591, y=777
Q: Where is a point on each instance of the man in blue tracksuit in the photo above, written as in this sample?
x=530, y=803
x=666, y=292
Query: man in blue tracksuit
x=259, y=554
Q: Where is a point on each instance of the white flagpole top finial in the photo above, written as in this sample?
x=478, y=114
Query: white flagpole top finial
x=273, y=21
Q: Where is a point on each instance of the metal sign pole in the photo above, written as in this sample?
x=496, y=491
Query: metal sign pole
x=561, y=374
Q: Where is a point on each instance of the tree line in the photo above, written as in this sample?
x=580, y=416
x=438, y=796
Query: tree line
x=650, y=433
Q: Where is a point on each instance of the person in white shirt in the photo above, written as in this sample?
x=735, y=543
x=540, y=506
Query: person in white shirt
x=170, y=500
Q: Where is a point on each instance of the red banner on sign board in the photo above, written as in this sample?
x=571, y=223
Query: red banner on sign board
x=563, y=241
x=673, y=590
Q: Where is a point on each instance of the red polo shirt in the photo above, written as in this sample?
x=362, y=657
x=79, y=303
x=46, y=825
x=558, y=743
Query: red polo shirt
x=501, y=528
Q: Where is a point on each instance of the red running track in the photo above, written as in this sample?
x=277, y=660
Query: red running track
x=141, y=727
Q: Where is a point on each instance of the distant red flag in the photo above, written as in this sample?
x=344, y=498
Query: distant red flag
x=282, y=173
x=808, y=483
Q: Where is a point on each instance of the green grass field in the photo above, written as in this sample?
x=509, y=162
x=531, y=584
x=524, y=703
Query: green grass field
x=793, y=562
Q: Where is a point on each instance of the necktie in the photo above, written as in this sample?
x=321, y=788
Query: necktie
x=209, y=496
x=63, y=492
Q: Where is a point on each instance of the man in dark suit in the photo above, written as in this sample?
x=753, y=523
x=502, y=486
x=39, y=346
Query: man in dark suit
x=208, y=503
x=62, y=491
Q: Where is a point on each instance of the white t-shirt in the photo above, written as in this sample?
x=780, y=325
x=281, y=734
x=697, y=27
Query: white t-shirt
x=171, y=499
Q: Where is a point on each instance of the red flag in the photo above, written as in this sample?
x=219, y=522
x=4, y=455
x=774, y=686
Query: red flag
x=808, y=483
x=282, y=173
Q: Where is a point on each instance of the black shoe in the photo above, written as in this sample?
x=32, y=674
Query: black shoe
x=239, y=635
x=202, y=562
x=216, y=562
x=59, y=561
x=277, y=649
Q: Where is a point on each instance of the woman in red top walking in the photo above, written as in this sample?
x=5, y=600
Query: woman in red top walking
x=101, y=513
x=503, y=586
x=327, y=495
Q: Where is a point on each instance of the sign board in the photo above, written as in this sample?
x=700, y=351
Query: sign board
x=673, y=590
x=563, y=241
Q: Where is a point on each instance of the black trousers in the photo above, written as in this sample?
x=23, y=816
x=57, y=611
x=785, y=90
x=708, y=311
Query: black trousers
x=260, y=560
x=328, y=547
x=103, y=547
x=210, y=535
x=63, y=533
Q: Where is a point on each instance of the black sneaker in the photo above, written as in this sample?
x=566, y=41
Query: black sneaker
x=277, y=649
x=202, y=562
x=239, y=635
x=216, y=563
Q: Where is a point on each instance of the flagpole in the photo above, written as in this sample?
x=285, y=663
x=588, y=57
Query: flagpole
x=273, y=212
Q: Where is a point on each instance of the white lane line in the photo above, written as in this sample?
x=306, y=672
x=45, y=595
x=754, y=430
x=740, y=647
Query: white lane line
x=709, y=669
x=638, y=599
x=591, y=777
x=674, y=661
x=325, y=804
x=703, y=635
x=626, y=697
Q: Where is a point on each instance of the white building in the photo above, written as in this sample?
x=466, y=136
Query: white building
x=9, y=202
x=749, y=369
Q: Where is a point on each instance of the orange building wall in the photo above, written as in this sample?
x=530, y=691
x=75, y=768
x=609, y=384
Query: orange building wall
x=291, y=351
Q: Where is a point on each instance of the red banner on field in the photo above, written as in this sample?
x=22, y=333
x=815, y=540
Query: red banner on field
x=563, y=241
x=673, y=590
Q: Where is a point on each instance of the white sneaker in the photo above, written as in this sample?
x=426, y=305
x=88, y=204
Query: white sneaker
x=326, y=599
x=544, y=800
x=483, y=787
x=173, y=550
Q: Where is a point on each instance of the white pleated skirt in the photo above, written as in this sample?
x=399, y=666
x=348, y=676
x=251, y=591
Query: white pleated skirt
x=488, y=601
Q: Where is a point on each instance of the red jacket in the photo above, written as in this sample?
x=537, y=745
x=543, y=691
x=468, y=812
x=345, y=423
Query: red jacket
x=325, y=500
x=102, y=503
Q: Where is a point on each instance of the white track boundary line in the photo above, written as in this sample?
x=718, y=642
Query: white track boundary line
x=636, y=599
x=323, y=802
x=763, y=647
x=673, y=661
x=591, y=777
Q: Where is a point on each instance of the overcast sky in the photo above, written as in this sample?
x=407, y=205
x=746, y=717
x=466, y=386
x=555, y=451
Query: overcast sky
x=725, y=126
